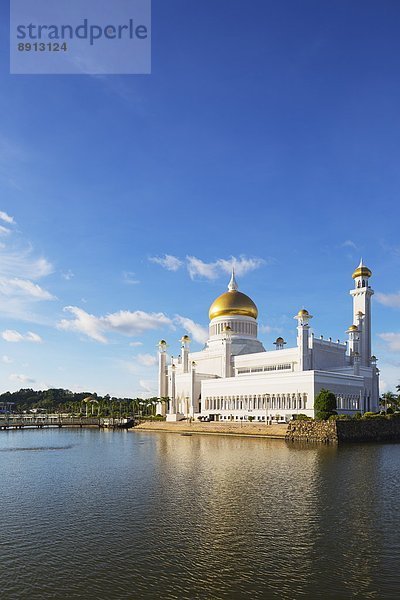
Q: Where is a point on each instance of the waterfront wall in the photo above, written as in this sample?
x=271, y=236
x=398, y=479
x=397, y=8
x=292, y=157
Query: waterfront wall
x=334, y=432
x=244, y=428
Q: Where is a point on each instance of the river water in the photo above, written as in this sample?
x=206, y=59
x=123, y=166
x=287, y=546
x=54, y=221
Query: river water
x=115, y=515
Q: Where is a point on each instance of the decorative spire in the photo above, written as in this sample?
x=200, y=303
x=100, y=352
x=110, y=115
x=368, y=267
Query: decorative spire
x=233, y=286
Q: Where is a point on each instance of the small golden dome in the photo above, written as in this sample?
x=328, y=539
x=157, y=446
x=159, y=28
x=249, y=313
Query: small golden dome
x=362, y=271
x=185, y=338
x=233, y=303
x=162, y=342
x=303, y=313
x=353, y=328
x=279, y=340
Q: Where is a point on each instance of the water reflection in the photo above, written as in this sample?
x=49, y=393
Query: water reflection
x=143, y=515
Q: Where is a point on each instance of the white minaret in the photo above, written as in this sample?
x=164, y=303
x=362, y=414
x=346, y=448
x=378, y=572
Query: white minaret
x=362, y=294
x=185, y=347
x=303, y=334
x=353, y=342
x=162, y=377
x=227, y=341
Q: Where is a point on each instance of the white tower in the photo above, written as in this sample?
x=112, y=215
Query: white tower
x=303, y=334
x=162, y=377
x=185, y=347
x=353, y=334
x=362, y=294
x=228, y=352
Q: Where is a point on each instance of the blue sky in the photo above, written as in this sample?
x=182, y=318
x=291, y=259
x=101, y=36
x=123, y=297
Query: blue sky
x=267, y=131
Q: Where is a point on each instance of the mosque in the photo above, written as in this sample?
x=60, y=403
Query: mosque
x=235, y=379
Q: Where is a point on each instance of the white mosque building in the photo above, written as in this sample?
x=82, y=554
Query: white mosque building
x=234, y=378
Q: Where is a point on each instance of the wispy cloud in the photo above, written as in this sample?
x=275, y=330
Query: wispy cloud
x=197, y=332
x=6, y=359
x=198, y=268
x=24, y=287
x=123, y=322
x=146, y=360
x=129, y=278
x=392, y=339
x=349, y=244
x=10, y=335
x=136, y=344
x=67, y=275
x=20, y=269
x=212, y=270
x=392, y=300
x=24, y=379
x=6, y=218
x=169, y=262
x=148, y=386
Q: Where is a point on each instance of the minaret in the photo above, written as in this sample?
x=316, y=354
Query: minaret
x=303, y=334
x=162, y=377
x=185, y=341
x=226, y=367
x=362, y=294
x=353, y=343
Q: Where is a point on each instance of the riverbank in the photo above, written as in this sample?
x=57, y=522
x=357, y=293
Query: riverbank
x=215, y=428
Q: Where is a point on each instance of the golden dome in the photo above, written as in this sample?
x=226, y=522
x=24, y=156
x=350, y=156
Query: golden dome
x=353, y=328
x=303, y=313
x=233, y=303
x=362, y=271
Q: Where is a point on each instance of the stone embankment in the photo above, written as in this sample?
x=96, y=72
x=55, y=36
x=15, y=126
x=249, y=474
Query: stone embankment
x=340, y=431
x=215, y=428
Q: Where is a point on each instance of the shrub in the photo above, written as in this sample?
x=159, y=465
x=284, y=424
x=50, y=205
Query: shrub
x=368, y=415
x=390, y=411
x=302, y=417
x=251, y=418
x=325, y=405
x=357, y=416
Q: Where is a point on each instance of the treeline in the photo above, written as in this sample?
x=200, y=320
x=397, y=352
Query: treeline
x=60, y=400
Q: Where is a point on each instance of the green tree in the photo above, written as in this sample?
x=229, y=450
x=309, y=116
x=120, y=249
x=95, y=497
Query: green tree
x=389, y=399
x=325, y=405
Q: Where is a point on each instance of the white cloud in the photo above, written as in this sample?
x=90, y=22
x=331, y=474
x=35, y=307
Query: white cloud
x=83, y=323
x=24, y=287
x=6, y=218
x=4, y=230
x=197, y=332
x=21, y=378
x=148, y=386
x=123, y=322
x=392, y=339
x=19, y=262
x=392, y=300
x=146, y=360
x=135, y=344
x=10, y=335
x=67, y=275
x=198, y=268
x=169, y=262
x=6, y=359
x=349, y=244
x=242, y=265
x=212, y=270
x=129, y=278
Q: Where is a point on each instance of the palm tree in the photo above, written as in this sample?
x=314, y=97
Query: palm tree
x=389, y=399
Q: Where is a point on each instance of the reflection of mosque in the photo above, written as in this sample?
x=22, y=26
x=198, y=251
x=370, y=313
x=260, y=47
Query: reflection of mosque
x=234, y=378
